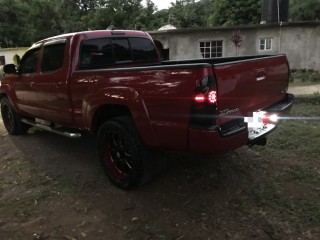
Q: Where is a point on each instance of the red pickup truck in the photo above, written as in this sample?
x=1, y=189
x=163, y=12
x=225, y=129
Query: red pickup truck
x=113, y=84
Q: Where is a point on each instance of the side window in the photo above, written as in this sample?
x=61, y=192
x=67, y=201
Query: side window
x=96, y=53
x=143, y=50
x=29, y=61
x=121, y=50
x=53, y=56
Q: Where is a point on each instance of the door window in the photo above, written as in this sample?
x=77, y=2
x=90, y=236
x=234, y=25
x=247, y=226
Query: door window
x=53, y=56
x=29, y=61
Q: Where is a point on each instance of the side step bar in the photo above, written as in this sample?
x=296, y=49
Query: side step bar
x=58, y=131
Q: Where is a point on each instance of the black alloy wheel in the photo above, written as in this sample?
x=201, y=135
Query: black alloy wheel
x=121, y=152
x=11, y=120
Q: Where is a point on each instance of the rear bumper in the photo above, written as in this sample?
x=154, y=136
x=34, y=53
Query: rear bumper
x=233, y=135
x=211, y=142
x=283, y=106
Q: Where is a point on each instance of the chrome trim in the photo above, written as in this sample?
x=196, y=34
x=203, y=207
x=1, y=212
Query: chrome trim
x=50, y=129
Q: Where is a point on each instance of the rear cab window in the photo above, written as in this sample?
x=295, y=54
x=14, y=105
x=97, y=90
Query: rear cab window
x=104, y=52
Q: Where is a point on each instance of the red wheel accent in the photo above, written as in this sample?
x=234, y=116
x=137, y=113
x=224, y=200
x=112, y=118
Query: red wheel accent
x=120, y=152
x=12, y=120
x=7, y=117
x=116, y=155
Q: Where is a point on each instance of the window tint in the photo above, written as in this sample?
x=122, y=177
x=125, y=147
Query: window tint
x=29, y=61
x=121, y=50
x=106, y=51
x=53, y=56
x=96, y=53
x=143, y=50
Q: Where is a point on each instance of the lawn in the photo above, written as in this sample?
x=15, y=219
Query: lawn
x=269, y=192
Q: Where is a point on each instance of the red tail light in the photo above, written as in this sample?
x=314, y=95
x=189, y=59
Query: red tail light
x=204, y=107
x=212, y=97
x=200, y=98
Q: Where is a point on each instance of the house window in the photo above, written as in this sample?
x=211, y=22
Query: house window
x=211, y=49
x=2, y=60
x=265, y=44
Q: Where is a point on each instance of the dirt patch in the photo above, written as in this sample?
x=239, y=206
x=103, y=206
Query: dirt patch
x=303, y=90
x=53, y=188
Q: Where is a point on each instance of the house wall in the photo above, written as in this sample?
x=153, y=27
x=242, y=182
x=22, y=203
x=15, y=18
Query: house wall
x=299, y=41
x=8, y=53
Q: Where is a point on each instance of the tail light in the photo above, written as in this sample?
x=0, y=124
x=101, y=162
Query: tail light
x=211, y=97
x=204, y=103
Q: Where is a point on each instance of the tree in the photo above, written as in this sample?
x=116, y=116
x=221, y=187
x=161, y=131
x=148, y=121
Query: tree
x=305, y=10
x=187, y=13
x=232, y=12
x=11, y=23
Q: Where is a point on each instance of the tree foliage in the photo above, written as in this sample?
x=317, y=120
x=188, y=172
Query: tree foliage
x=231, y=12
x=305, y=10
x=23, y=22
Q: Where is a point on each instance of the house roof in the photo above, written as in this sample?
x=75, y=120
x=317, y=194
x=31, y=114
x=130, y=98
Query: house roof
x=238, y=27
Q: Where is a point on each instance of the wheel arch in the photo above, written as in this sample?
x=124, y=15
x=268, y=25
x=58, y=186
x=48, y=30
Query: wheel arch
x=106, y=112
x=140, y=120
x=120, y=101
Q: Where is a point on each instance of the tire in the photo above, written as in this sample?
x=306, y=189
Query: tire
x=121, y=152
x=11, y=120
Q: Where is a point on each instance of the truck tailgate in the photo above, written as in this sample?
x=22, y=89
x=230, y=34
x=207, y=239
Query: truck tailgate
x=250, y=85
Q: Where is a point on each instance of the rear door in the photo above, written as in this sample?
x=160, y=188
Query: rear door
x=250, y=85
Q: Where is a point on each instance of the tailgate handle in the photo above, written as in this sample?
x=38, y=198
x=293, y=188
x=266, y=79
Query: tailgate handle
x=261, y=74
x=261, y=78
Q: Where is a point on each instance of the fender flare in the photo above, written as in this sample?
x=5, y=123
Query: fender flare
x=7, y=91
x=127, y=97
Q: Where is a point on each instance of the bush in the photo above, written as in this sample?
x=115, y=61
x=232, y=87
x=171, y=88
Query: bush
x=304, y=75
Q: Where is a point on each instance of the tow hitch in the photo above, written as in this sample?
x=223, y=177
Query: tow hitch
x=262, y=141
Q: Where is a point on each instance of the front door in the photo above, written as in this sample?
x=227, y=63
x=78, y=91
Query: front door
x=23, y=83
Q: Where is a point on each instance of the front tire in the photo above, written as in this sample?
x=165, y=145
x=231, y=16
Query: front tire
x=11, y=120
x=121, y=152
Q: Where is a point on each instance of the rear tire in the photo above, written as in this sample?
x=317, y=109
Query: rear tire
x=12, y=120
x=121, y=152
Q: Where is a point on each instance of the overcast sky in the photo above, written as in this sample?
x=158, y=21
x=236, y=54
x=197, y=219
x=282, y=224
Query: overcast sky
x=161, y=4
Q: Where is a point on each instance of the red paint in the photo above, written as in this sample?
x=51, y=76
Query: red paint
x=159, y=97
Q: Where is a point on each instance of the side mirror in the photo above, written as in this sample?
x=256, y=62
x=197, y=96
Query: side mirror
x=10, y=69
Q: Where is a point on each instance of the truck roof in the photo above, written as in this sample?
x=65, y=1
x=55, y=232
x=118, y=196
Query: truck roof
x=96, y=34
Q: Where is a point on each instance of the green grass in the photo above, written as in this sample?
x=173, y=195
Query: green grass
x=269, y=192
x=288, y=196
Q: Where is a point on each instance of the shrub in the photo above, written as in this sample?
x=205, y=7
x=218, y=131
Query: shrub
x=304, y=75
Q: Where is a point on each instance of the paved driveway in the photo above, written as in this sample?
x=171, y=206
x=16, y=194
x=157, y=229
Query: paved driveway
x=303, y=90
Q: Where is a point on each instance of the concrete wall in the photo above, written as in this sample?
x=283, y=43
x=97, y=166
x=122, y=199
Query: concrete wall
x=8, y=53
x=300, y=41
